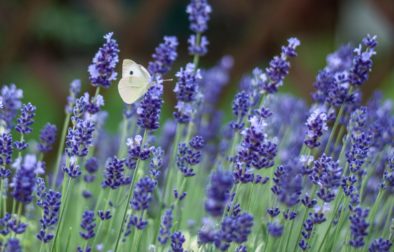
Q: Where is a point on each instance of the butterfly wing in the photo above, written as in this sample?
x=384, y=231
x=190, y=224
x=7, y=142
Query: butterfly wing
x=131, y=68
x=132, y=88
x=145, y=72
x=134, y=82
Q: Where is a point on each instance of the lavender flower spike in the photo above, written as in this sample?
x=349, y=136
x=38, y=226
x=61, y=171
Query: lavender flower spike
x=278, y=69
x=26, y=119
x=11, y=103
x=5, y=148
x=24, y=180
x=177, y=240
x=358, y=226
x=166, y=225
x=316, y=125
x=148, y=112
x=102, y=69
x=218, y=192
x=113, y=176
x=47, y=138
x=88, y=224
x=75, y=89
x=51, y=209
x=362, y=62
x=164, y=56
x=186, y=91
x=198, y=11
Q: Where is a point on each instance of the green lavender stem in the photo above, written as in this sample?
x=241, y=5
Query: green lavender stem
x=133, y=180
x=375, y=209
x=334, y=213
x=65, y=192
x=165, y=196
x=334, y=128
x=60, y=149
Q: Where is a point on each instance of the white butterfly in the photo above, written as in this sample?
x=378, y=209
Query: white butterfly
x=135, y=81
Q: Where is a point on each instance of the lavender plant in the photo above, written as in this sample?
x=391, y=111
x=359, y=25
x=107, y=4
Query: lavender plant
x=277, y=177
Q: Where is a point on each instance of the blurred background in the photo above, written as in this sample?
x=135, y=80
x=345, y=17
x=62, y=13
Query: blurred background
x=45, y=44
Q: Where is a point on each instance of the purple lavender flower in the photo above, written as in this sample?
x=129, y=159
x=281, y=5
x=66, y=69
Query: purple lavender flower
x=177, y=240
x=51, y=206
x=143, y=193
x=207, y=233
x=273, y=212
x=348, y=185
x=136, y=151
x=13, y=245
x=241, y=105
x=5, y=149
x=40, y=189
x=104, y=215
x=380, y=245
x=275, y=229
x=338, y=93
x=278, y=69
x=148, y=111
x=79, y=138
x=189, y=156
x=326, y=173
x=91, y=166
x=381, y=120
x=166, y=225
x=79, y=109
x=156, y=163
x=313, y=219
x=197, y=142
x=137, y=222
x=289, y=215
x=198, y=47
x=360, y=140
x=388, y=174
x=341, y=59
x=102, y=69
x=218, y=192
x=198, y=11
x=11, y=103
x=316, y=125
x=362, y=62
x=186, y=91
x=11, y=223
x=241, y=248
x=358, y=226
x=288, y=183
x=186, y=88
x=72, y=168
x=24, y=122
x=308, y=202
x=164, y=56
x=4, y=228
x=75, y=89
x=330, y=84
x=24, y=180
x=235, y=229
x=256, y=149
x=47, y=138
x=113, y=176
x=142, y=197
x=87, y=249
x=88, y=224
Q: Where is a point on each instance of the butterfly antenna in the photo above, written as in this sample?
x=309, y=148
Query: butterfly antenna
x=168, y=80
